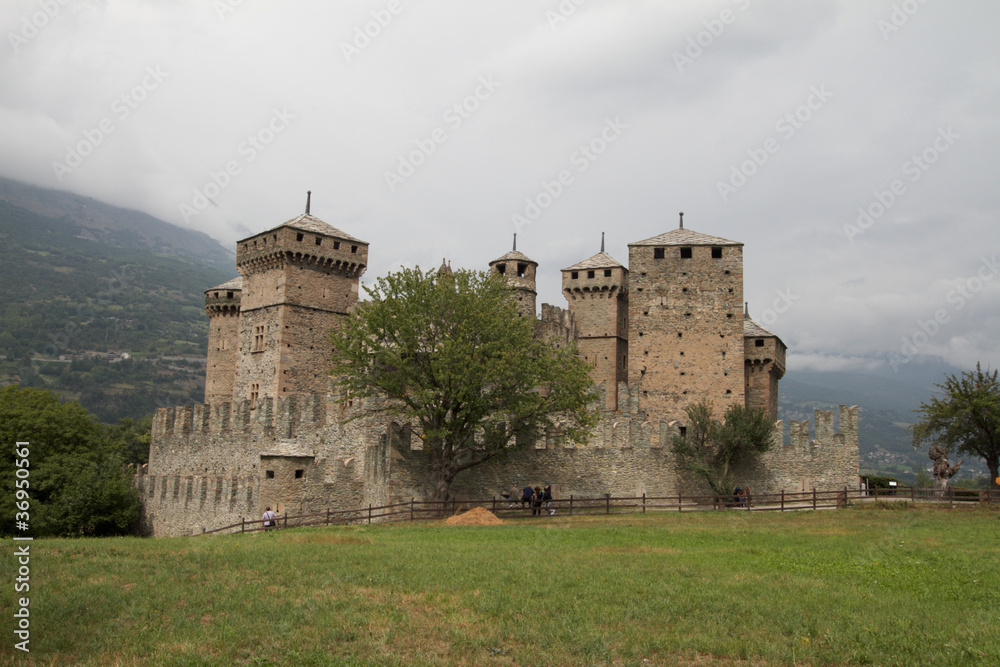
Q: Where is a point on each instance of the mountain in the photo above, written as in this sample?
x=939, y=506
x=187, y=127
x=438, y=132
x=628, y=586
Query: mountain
x=886, y=400
x=82, y=282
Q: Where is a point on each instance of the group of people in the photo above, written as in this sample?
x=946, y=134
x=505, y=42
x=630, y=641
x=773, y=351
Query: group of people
x=535, y=497
x=741, y=496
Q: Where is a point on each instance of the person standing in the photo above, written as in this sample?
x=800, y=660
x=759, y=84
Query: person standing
x=547, y=499
x=527, y=493
x=514, y=494
x=536, y=505
x=270, y=519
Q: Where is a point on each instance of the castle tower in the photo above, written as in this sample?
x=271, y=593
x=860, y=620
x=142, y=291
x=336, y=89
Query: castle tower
x=520, y=274
x=222, y=305
x=764, y=365
x=597, y=292
x=685, y=321
x=300, y=279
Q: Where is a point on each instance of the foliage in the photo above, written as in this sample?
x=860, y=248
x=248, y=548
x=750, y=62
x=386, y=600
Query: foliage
x=879, y=481
x=453, y=356
x=921, y=478
x=965, y=419
x=79, y=483
x=712, y=449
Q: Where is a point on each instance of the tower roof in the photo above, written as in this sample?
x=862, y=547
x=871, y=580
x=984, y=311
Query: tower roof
x=753, y=330
x=310, y=223
x=601, y=260
x=516, y=256
x=685, y=237
x=234, y=284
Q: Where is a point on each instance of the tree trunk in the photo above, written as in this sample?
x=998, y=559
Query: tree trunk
x=993, y=463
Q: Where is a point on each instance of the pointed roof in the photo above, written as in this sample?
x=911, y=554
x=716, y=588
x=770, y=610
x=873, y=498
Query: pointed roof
x=310, y=223
x=234, y=284
x=601, y=260
x=753, y=330
x=514, y=255
x=685, y=237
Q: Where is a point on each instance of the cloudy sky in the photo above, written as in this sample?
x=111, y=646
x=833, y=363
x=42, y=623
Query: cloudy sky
x=852, y=146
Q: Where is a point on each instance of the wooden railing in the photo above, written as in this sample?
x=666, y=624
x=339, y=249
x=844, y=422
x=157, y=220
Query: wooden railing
x=416, y=510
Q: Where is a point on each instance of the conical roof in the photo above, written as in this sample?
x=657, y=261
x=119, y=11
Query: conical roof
x=516, y=256
x=685, y=237
x=234, y=285
x=753, y=330
x=601, y=260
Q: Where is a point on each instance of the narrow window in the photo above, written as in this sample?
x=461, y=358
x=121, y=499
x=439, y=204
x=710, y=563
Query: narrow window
x=590, y=274
x=254, y=393
x=319, y=241
x=336, y=245
x=354, y=248
x=685, y=253
x=607, y=273
x=258, y=339
x=574, y=275
x=716, y=253
x=502, y=269
x=269, y=474
x=683, y=431
x=229, y=295
x=299, y=474
x=759, y=342
x=299, y=236
x=658, y=253
x=521, y=270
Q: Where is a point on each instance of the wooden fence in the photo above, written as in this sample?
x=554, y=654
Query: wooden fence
x=416, y=510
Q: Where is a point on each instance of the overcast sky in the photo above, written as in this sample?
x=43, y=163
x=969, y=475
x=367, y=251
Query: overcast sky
x=436, y=129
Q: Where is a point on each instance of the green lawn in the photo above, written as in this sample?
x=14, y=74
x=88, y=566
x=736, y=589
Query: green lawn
x=855, y=586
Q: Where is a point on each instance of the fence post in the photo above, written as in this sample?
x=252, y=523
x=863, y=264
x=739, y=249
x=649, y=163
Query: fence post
x=814, y=497
x=494, y=504
x=607, y=503
x=680, y=502
x=782, y=500
x=749, y=501
x=243, y=525
x=411, y=508
x=369, y=513
x=571, y=504
x=643, y=502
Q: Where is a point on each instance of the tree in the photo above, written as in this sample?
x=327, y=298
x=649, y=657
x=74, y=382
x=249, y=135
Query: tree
x=965, y=418
x=77, y=481
x=453, y=357
x=712, y=449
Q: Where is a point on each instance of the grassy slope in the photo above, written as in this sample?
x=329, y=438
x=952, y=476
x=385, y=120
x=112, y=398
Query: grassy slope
x=856, y=586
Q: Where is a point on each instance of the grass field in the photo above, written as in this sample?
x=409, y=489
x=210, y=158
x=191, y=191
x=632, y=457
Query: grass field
x=856, y=586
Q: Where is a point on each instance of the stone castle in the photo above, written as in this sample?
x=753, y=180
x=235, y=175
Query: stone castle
x=667, y=331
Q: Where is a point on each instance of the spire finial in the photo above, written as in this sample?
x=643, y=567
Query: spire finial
x=602, y=241
x=746, y=309
x=309, y=194
x=515, y=241
x=682, y=220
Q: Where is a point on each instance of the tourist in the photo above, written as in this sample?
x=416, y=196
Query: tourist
x=547, y=499
x=526, y=495
x=536, y=506
x=514, y=493
x=269, y=519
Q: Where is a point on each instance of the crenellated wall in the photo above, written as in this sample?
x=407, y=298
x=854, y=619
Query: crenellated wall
x=217, y=464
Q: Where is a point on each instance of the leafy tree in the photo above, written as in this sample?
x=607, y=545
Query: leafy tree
x=451, y=353
x=78, y=482
x=965, y=419
x=712, y=449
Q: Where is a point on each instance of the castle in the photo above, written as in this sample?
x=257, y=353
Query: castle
x=665, y=332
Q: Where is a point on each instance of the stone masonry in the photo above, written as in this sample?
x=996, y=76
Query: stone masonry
x=663, y=333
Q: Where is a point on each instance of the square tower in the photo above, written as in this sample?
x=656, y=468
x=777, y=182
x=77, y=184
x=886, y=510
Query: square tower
x=597, y=292
x=300, y=279
x=686, y=321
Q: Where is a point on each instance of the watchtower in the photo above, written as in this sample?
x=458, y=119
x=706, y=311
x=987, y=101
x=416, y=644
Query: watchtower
x=685, y=324
x=300, y=279
x=764, y=365
x=597, y=292
x=520, y=274
x=222, y=305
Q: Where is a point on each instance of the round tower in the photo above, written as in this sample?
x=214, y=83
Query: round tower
x=222, y=305
x=520, y=274
x=596, y=290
